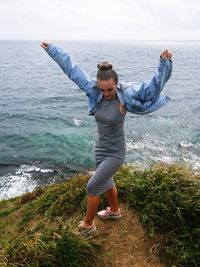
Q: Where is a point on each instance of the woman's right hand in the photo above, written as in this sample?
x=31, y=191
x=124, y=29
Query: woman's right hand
x=44, y=45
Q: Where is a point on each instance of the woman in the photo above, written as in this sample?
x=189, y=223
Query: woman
x=109, y=101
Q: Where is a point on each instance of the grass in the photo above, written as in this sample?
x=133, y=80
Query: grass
x=38, y=228
x=168, y=199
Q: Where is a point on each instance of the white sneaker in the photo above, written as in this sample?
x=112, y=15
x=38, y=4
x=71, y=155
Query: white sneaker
x=108, y=214
x=86, y=230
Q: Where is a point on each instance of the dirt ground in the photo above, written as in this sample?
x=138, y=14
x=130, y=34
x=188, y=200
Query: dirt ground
x=125, y=242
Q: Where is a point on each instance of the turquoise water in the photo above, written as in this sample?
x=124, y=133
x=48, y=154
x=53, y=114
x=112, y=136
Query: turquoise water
x=45, y=131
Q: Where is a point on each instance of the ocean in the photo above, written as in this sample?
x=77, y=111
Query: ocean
x=46, y=134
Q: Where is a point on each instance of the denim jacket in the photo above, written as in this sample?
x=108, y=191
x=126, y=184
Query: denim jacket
x=141, y=98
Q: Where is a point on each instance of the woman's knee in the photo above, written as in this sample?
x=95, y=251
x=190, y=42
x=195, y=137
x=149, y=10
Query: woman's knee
x=90, y=188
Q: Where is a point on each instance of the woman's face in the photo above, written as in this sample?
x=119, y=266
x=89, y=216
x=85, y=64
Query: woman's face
x=108, y=88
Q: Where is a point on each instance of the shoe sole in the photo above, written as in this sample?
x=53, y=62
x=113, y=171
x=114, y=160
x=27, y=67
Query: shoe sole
x=85, y=231
x=109, y=217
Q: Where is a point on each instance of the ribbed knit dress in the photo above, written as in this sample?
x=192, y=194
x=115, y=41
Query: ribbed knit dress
x=110, y=146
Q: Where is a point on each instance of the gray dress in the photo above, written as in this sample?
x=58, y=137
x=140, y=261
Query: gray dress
x=110, y=146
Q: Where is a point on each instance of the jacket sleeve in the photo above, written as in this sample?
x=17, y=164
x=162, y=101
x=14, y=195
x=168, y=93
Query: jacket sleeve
x=71, y=69
x=146, y=91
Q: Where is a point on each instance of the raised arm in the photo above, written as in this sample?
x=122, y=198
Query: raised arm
x=71, y=69
x=148, y=90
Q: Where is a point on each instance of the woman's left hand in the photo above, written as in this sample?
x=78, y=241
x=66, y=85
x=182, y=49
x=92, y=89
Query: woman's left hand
x=166, y=54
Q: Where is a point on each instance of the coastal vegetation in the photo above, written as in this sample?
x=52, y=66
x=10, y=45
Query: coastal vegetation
x=39, y=227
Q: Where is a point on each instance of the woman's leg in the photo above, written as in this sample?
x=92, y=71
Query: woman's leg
x=111, y=195
x=102, y=181
x=92, y=205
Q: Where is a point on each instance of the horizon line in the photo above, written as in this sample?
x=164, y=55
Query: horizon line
x=106, y=40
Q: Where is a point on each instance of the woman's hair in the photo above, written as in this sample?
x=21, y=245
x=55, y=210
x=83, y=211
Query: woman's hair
x=106, y=72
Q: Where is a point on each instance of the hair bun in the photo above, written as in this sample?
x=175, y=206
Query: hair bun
x=105, y=66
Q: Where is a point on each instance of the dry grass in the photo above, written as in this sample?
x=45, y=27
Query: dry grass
x=124, y=242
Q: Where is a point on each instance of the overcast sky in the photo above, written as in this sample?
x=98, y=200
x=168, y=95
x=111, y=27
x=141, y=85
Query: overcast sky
x=100, y=19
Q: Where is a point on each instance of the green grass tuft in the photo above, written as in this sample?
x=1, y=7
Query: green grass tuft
x=168, y=199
